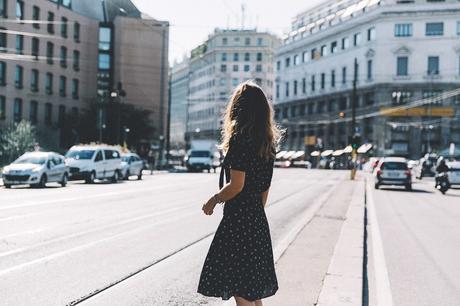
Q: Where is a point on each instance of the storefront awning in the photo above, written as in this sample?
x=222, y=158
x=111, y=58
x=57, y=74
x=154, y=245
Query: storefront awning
x=288, y=154
x=298, y=154
x=280, y=154
x=337, y=153
x=315, y=153
x=363, y=149
x=327, y=153
x=348, y=150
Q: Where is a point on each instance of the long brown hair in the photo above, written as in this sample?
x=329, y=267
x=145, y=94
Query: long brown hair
x=250, y=113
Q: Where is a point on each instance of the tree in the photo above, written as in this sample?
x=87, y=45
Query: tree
x=17, y=139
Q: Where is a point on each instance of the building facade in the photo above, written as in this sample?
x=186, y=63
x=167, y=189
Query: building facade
x=179, y=99
x=66, y=54
x=405, y=59
x=227, y=58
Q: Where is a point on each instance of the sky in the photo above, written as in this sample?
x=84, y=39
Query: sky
x=193, y=20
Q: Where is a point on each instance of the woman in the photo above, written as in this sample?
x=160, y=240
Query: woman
x=240, y=260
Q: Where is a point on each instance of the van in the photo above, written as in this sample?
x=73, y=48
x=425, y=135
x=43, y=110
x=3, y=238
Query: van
x=91, y=162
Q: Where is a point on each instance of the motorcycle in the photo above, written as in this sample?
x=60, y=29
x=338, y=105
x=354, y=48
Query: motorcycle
x=442, y=182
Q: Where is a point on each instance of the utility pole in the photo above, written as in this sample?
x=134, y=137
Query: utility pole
x=168, y=130
x=354, y=135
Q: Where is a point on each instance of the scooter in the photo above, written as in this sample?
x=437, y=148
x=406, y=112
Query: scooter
x=442, y=182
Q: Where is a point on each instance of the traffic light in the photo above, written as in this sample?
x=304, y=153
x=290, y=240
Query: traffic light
x=355, y=141
x=342, y=114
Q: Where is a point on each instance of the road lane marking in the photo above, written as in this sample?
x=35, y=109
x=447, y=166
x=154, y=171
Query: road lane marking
x=384, y=296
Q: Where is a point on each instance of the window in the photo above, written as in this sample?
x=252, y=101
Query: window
x=235, y=68
x=323, y=80
x=19, y=44
x=61, y=115
x=35, y=47
x=49, y=52
x=287, y=89
x=296, y=60
x=434, y=29
x=304, y=56
x=304, y=85
x=323, y=50
x=235, y=82
x=34, y=80
x=344, y=75
x=3, y=41
x=64, y=27
x=334, y=47
x=224, y=41
x=313, y=54
x=18, y=77
x=458, y=28
x=259, y=57
x=223, y=68
x=402, y=66
x=62, y=86
x=2, y=73
x=236, y=57
x=345, y=43
x=313, y=83
x=33, y=112
x=2, y=107
x=433, y=65
x=35, y=16
x=369, y=70
x=19, y=10
x=287, y=62
x=104, y=61
x=295, y=88
x=246, y=68
x=48, y=113
x=67, y=3
x=223, y=57
x=76, y=32
x=278, y=65
x=356, y=39
x=333, y=78
x=400, y=97
x=258, y=68
x=50, y=26
x=105, y=38
x=371, y=34
x=3, y=8
x=49, y=83
x=75, y=88
x=277, y=91
x=247, y=41
x=76, y=60
x=17, y=110
x=63, y=58
x=403, y=30
x=260, y=41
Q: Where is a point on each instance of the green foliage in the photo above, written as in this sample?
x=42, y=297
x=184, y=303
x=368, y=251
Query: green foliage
x=15, y=140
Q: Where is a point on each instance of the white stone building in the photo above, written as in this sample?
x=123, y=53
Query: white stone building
x=405, y=51
x=227, y=58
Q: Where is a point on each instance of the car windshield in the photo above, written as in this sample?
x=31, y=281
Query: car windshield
x=199, y=154
x=80, y=154
x=394, y=166
x=37, y=160
x=125, y=158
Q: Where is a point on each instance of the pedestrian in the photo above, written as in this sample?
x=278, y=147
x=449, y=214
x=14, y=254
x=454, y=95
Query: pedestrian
x=151, y=161
x=240, y=259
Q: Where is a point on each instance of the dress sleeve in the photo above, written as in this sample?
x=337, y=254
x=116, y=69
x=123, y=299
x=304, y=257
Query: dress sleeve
x=238, y=154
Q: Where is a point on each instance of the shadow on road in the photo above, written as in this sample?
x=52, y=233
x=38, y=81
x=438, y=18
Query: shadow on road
x=404, y=190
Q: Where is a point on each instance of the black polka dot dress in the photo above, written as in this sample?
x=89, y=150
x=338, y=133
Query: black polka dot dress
x=240, y=258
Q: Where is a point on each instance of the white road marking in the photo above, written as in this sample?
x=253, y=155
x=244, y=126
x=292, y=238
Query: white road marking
x=86, y=245
x=384, y=296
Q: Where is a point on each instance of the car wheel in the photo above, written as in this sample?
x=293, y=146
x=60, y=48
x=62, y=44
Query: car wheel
x=409, y=187
x=127, y=175
x=43, y=181
x=139, y=176
x=65, y=179
x=115, y=177
x=376, y=186
x=7, y=186
x=91, y=177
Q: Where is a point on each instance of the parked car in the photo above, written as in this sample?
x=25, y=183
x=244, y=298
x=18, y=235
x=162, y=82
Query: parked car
x=454, y=172
x=36, y=169
x=393, y=171
x=199, y=160
x=131, y=164
x=91, y=162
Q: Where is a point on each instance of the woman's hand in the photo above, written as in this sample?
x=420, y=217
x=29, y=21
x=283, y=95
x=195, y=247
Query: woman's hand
x=208, y=208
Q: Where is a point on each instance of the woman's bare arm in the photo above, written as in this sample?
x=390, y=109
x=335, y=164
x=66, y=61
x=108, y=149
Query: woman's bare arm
x=265, y=196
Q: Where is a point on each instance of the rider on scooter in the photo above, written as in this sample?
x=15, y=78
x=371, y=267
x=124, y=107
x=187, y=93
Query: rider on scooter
x=441, y=168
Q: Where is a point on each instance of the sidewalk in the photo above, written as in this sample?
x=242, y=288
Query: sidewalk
x=323, y=265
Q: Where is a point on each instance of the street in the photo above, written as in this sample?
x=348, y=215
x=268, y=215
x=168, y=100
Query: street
x=420, y=233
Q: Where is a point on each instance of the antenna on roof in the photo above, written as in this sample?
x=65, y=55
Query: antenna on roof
x=243, y=8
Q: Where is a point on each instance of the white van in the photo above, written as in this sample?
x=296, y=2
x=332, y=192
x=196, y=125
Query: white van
x=87, y=162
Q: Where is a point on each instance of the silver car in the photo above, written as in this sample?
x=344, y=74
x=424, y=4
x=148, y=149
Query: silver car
x=131, y=164
x=393, y=171
x=36, y=169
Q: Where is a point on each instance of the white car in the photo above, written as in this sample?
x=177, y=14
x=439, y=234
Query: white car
x=393, y=171
x=454, y=172
x=199, y=160
x=88, y=163
x=36, y=169
x=131, y=164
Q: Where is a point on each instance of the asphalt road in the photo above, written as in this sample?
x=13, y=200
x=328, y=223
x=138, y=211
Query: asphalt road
x=59, y=246
x=420, y=238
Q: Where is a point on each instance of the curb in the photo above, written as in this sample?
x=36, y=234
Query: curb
x=343, y=283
